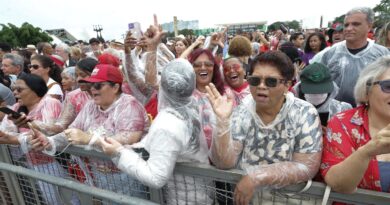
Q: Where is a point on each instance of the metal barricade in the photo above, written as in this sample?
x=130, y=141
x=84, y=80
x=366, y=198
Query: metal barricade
x=89, y=177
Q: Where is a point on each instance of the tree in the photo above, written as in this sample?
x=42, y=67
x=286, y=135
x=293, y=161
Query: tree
x=339, y=19
x=382, y=13
x=21, y=37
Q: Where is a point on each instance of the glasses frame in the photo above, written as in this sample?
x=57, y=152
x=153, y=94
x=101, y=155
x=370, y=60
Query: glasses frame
x=266, y=81
x=235, y=66
x=34, y=66
x=203, y=63
x=381, y=83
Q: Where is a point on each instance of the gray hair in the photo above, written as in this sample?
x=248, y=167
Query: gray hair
x=16, y=59
x=370, y=74
x=364, y=10
x=64, y=47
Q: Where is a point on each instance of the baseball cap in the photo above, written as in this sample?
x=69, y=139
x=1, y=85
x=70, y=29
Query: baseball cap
x=336, y=27
x=316, y=79
x=104, y=73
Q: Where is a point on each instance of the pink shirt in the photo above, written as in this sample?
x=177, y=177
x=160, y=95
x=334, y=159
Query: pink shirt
x=47, y=110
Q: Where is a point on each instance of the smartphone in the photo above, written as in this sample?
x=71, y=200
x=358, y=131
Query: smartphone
x=135, y=29
x=8, y=111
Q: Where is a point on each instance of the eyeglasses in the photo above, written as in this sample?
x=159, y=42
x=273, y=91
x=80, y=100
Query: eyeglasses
x=199, y=64
x=236, y=67
x=18, y=89
x=33, y=66
x=99, y=86
x=385, y=85
x=270, y=82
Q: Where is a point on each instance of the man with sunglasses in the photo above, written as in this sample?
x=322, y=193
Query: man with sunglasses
x=356, y=145
x=273, y=136
x=111, y=113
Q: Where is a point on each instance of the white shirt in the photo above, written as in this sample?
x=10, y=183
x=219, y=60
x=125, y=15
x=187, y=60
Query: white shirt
x=55, y=89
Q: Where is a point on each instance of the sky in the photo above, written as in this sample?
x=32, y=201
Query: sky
x=79, y=16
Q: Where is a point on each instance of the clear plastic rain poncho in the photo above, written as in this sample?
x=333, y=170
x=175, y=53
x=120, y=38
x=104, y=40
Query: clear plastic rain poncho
x=175, y=136
x=283, y=152
x=345, y=67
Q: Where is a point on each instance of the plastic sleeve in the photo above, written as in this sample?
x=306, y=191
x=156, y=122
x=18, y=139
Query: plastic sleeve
x=156, y=171
x=303, y=167
x=224, y=151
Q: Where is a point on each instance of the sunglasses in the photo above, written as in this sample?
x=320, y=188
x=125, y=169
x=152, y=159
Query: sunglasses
x=199, y=64
x=99, y=86
x=236, y=67
x=385, y=85
x=33, y=66
x=270, y=82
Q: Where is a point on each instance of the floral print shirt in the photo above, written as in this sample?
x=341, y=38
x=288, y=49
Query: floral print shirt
x=346, y=132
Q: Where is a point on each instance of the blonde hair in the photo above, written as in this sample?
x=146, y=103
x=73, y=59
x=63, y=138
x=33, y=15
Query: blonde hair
x=368, y=75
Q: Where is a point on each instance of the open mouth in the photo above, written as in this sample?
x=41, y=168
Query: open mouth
x=262, y=97
x=203, y=74
x=234, y=77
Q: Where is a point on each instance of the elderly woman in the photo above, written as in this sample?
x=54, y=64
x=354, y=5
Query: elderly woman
x=30, y=91
x=234, y=75
x=206, y=71
x=73, y=103
x=68, y=80
x=359, y=139
x=174, y=136
x=272, y=135
x=111, y=113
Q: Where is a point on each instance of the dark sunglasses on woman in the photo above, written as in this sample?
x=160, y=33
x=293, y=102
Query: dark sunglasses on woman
x=270, y=82
x=33, y=66
x=385, y=85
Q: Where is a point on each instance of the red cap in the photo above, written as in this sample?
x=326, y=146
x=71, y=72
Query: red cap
x=107, y=58
x=57, y=60
x=104, y=73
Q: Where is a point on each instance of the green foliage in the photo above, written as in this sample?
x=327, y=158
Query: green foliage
x=339, y=19
x=382, y=13
x=21, y=37
x=290, y=24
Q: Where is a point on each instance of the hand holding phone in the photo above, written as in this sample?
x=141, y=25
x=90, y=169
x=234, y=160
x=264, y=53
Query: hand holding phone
x=135, y=29
x=8, y=111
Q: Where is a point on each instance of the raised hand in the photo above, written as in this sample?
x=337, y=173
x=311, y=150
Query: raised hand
x=130, y=42
x=152, y=37
x=222, y=106
x=380, y=144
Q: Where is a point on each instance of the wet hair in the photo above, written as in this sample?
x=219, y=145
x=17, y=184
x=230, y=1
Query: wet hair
x=35, y=83
x=47, y=62
x=276, y=59
x=217, y=79
x=240, y=46
x=87, y=64
x=320, y=36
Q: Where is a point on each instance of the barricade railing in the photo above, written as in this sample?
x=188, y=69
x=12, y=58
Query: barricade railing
x=23, y=183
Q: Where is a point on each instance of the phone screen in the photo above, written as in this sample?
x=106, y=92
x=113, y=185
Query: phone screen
x=8, y=111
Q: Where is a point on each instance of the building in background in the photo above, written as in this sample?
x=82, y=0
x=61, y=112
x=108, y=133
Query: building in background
x=62, y=35
x=193, y=25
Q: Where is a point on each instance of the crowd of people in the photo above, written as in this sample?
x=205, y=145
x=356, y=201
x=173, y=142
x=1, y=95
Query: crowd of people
x=284, y=106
